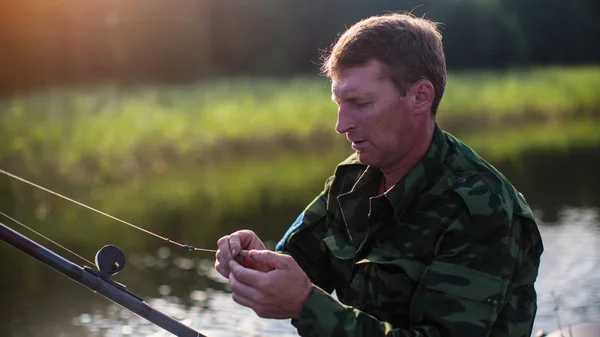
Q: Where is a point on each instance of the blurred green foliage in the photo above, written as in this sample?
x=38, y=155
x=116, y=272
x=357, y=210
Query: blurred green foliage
x=111, y=133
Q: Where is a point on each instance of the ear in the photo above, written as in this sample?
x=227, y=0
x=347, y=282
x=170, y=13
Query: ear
x=423, y=93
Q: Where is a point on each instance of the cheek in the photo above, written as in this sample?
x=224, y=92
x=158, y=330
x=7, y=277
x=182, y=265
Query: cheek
x=391, y=130
x=386, y=125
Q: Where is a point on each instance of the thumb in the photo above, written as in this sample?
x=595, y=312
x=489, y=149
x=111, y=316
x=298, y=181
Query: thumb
x=268, y=258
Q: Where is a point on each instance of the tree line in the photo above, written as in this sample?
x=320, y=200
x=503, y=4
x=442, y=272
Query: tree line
x=46, y=43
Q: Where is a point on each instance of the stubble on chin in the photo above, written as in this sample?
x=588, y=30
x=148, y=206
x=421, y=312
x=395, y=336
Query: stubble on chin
x=363, y=158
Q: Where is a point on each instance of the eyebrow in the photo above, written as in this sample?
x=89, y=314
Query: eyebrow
x=352, y=96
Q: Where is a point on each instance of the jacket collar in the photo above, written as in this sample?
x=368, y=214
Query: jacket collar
x=425, y=171
x=400, y=196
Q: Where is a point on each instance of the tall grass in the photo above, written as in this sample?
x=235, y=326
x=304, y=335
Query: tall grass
x=502, y=144
x=128, y=130
x=547, y=91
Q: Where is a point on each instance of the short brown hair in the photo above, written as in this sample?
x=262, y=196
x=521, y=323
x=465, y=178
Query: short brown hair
x=410, y=49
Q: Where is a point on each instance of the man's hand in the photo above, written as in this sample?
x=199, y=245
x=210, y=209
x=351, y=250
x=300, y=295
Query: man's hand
x=231, y=245
x=277, y=293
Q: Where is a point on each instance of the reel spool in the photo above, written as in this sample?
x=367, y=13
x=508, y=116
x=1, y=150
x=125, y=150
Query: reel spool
x=110, y=260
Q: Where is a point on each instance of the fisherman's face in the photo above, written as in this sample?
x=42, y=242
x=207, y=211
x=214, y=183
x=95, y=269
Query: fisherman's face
x=378, y=121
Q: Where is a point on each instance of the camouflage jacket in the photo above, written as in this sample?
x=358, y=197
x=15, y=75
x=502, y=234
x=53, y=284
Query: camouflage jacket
x=451, y=250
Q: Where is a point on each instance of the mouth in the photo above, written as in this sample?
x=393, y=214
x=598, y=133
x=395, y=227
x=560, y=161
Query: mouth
x=357, y=143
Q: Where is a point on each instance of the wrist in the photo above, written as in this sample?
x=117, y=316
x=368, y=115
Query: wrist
x=305, y=291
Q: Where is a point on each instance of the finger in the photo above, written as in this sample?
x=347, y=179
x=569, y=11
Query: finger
x=224, y=249
x=242, y=258
x=222, y=269
x=239, y=299
x=250, y=277
x=240, y=289
x=249, y=240
x=270, y=258
x=223, y=256
x=245, y=259
x=235, y=243
x=243, y=239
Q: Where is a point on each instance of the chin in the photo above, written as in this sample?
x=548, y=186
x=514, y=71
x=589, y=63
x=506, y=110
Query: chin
x=365, y=159
x=368, y=159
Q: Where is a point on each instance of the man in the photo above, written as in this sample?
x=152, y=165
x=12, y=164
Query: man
x=416, y=233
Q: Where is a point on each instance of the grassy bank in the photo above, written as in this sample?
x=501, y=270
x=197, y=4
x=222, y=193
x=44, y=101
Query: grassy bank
x=498, y=144
x=205, y=201
x=122, y=132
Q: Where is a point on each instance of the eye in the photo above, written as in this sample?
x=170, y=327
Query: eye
x=361, y=105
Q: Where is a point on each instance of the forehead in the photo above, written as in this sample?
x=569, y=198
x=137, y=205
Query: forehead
x=363, y=79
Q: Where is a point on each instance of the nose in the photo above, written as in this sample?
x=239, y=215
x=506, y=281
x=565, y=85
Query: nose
x=345, y=121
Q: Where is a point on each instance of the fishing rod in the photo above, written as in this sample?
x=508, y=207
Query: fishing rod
x=109, y=261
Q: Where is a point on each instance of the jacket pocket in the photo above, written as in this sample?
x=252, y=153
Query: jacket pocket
x=385, y=283
x=392, y=260
x=461, y=294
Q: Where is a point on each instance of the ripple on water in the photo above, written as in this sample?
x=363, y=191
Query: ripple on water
x=569, y=277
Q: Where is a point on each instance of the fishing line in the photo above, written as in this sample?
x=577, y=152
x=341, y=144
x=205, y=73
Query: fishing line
x=47, y=238
x=558, y=324
x=186, y=247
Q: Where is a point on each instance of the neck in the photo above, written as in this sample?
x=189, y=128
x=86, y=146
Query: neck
x=395, y=173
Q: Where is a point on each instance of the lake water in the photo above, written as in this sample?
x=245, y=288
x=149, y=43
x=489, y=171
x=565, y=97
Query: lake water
x=562, y=186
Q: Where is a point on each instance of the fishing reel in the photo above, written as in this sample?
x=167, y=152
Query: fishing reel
x=110, y=260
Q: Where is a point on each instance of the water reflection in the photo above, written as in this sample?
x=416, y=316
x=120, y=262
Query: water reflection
x=570, y=271
x=554, y=179
x=561, y=186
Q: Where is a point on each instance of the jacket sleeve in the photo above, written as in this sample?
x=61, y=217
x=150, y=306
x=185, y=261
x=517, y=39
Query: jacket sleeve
x=461, y=293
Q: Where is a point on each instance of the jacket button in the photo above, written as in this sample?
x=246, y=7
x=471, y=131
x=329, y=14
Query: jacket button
x=492, y=301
